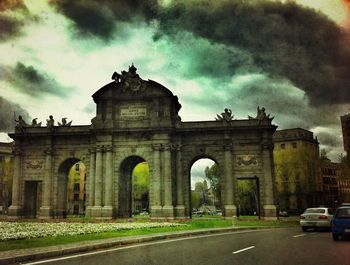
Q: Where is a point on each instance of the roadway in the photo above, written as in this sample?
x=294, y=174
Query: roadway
x=277, y=246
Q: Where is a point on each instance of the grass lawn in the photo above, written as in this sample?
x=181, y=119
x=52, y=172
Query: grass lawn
x=195, y=223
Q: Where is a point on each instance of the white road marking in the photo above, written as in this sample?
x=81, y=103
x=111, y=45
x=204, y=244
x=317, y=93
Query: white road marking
x=244, y=249
x=299, y=235
x=142, y=244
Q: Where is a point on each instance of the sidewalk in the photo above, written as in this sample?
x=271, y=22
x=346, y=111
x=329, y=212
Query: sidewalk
x=28, y=254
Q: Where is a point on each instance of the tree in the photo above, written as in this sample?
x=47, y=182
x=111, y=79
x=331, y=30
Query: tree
x=140, y=182
x=323, y=154
x=201, y=188
x=248, y=195
x=297, y=177
x=195, y=200
x=213, y=176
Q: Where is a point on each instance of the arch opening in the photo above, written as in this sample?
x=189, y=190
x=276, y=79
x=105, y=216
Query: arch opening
x=248, y=197
x=71, y=188
x=134, y=187
x=205, y=188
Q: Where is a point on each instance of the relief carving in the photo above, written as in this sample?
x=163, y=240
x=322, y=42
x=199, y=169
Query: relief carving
x=247, y=160
x=35, y=164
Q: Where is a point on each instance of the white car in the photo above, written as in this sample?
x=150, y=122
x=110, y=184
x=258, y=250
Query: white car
x=316, y=218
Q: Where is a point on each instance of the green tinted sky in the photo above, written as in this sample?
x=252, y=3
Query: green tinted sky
x=285, y=56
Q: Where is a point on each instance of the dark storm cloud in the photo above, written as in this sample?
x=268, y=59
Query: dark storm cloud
x=9, y=111
x=100, y=18
x=13, y=16
x=29, y=80
x=9, y=27
x=285, y=41
x=199, y=58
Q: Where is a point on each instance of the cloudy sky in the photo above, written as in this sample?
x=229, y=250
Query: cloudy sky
x=292, y=57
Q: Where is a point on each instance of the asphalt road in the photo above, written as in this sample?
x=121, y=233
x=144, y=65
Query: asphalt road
x=277, y=246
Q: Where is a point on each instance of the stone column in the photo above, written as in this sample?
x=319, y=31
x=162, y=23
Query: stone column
x=180, y=207
x=168, y=208
x=91, y=194
x=155, y=190
x=15, y=209
x=230, y=208
x=107, y=210
x=269, y=207
x=46, y=208
x=96, y=210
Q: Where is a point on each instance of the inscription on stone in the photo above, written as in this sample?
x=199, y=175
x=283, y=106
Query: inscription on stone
x=133, y=111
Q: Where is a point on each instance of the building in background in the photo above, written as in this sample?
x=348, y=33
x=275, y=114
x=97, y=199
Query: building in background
x=330, y=180
x=76, y=189
x=344, y=166
x=345, y=124
x=296, y=162
x=6, y=175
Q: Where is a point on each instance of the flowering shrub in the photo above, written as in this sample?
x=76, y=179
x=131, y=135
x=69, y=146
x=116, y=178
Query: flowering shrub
x=26, y=230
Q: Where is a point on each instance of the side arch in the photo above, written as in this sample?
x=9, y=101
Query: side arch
x=190, y=158
x=64, y=167
x=125, y=184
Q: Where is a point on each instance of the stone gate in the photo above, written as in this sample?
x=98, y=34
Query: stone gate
x=136, y=121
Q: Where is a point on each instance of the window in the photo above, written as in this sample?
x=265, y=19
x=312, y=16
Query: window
x=77, y=167
x=330, y=211
x=283, y=146
x=294, y=145
x=343, y=213
x=76, y=186
x=315, y=210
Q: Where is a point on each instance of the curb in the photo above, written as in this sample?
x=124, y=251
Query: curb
x=14, y=256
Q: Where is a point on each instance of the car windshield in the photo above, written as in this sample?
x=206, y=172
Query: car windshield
x=315, y=210
x=343, y=213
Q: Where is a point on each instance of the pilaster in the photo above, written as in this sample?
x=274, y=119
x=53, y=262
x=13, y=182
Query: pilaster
x=15, y=210
x=107, y=210
x=168, y=208
x=229, y=207
x=92, y=171
x=96, y=209
x=155, y=198
x=46, y=208
x=180, y=207
x=269, y=207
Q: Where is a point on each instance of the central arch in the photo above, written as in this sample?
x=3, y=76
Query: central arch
x=126, y=205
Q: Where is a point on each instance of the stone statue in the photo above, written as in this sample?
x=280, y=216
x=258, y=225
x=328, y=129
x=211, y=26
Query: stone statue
x=21, y=124
x=117, y=77
x=50, y=123
x=225, y=116
x=35, y=123
x=64, y=122
x=130, y=80
x=261, y=115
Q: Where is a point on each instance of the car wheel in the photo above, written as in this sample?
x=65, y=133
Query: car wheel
x=335, y=237
x=304, y=228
